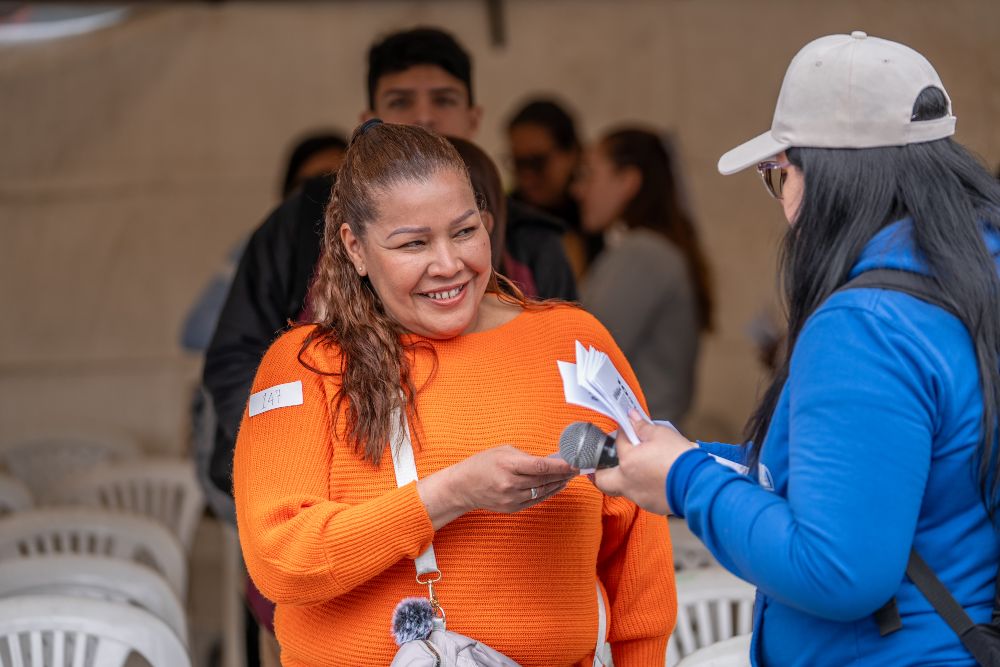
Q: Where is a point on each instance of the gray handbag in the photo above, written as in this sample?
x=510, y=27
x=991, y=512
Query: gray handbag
x=427, y=642
x=447, y=649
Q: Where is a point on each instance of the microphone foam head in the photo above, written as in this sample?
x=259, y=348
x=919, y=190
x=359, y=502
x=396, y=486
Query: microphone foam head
x=580, y=445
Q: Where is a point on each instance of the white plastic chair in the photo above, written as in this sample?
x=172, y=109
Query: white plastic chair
x=712, y=605
x=688, y=551
x=43, y=461
x=166, y=490
x=733, y=652
x=58, y=530
x=14, y=495
x=95, y=577
x=55, y=631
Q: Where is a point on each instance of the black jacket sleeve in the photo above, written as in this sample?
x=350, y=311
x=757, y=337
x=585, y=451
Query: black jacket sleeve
x=534, y=238
x=268, y=291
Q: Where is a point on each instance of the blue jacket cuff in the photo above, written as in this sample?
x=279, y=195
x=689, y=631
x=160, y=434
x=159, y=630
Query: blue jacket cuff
x=734, y=453
x=680, y=476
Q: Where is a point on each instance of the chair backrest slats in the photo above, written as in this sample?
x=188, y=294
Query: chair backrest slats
x=35, y=640
x=724, y=618
x=164, y=489
x=95, y=633
x=14, y=647
x=93, y=531
x=94, y=577
x=58, y=648
x=79, y=649
x=712, y=605
x=703, y=622
x=744, y=617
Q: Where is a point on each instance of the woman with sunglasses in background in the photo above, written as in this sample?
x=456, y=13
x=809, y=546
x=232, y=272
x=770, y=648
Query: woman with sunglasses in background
x=544, y=155
x=872, y=459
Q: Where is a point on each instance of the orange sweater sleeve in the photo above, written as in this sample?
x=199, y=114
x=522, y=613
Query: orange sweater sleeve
x=300, y=546
x=635, y=562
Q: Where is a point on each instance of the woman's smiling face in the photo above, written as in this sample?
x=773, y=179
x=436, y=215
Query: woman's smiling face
x=427, y=254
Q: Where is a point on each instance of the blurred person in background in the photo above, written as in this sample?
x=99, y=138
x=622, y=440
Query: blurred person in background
x=487, y=184
x=545, y=154
x=650, y=285
x=313, y=155
x=872, y=470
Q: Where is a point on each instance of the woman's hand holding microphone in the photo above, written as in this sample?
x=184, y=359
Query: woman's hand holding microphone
x=641, y=473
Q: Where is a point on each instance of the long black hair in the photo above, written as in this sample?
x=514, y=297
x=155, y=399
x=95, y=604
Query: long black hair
x=658, y=205
x=850, y=194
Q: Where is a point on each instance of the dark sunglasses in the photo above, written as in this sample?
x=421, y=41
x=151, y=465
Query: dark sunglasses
x=534, y=163
x=773, y=174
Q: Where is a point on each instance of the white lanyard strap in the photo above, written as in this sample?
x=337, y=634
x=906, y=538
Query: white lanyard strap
x=406, y=471
x=600, y=655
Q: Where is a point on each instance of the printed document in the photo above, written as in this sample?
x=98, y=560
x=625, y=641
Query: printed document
x=594, y=382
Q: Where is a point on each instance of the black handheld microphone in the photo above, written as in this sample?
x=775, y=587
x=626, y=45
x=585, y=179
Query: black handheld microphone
x=585, y=447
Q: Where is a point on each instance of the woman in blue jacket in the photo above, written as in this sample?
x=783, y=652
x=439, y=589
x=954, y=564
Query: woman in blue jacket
x=879, y=431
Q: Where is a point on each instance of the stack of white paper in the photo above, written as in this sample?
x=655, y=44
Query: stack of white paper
x=594, y=382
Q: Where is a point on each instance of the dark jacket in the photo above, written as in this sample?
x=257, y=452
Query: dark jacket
x=269, y=291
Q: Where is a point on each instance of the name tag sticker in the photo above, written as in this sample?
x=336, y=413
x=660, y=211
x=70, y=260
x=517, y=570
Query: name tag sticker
x=278, y=396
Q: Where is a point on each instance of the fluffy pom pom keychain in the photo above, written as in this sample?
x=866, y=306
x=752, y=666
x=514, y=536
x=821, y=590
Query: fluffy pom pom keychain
x=413, y=619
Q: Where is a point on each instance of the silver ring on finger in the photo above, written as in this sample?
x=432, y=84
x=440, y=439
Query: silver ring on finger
x=534, y=493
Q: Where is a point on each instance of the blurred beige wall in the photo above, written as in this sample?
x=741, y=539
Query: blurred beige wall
x=134, y=158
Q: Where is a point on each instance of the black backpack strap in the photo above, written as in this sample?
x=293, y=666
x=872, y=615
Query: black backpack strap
x=888, y=619
x=921, y=574
x=981, y=641
x=916, y=285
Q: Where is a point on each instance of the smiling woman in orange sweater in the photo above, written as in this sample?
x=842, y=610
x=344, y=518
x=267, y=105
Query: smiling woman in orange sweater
x=409, y=315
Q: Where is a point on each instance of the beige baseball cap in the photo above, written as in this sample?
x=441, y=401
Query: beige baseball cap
x=847, y=91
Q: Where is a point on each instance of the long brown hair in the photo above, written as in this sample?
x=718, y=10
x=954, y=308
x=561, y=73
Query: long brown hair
x=487, y=185
x=658, y=206
x=375, y=361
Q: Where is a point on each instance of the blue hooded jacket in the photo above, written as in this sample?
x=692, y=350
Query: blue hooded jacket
x=871, y=449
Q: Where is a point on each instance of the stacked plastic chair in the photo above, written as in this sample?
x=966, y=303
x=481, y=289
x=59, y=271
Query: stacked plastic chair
x=102, y=560
x=712, y=606
x=58, y=631
x=42, y=462
x=165, y=490
x=95, y=577
x=94, y=532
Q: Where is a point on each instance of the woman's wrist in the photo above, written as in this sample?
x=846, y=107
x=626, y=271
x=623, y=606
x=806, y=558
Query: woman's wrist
x=438, y=494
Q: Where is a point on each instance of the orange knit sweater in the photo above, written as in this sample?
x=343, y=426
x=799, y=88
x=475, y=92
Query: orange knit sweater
x=330, y=538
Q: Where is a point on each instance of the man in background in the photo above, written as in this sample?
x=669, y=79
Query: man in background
x=423, y=77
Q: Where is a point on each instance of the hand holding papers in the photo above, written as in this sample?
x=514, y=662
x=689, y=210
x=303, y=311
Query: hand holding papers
x=594, y=382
